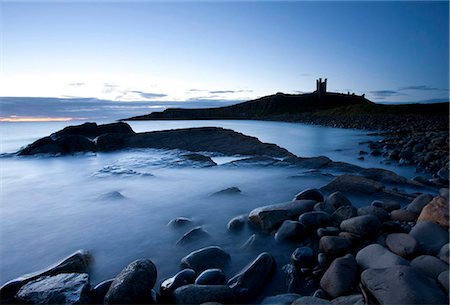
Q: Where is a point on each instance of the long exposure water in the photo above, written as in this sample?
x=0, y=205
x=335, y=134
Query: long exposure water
x=52, y=206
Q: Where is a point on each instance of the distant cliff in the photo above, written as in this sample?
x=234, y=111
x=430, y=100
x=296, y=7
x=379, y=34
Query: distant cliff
x=262, y=108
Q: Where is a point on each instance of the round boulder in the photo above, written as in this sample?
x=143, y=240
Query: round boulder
x=302, y=257
x=206, y=258
x=365, y=226
x=429, y=265
x=341, y=277
x=337, y=199
x=309, y=194
x=430, y=236
x=377, y=256
x=314, y=220
x=403, y=244
x=419, y=202
x=211, y=277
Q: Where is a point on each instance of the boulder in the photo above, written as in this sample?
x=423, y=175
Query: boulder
x=324, y=207
x=178, y=222
x=205, y=161
x=269, y=218
x=393, y=227
x=402, y=285
x=206, y=258
x=310, y=194
x=334, y=245
x=281, y=299
x=337, y=200
x=310, y=301
x=302, y=257
x=341, y=277
x=419, y=202
x=403, y=244
x=64, y=288
x=430, y=236
x=353, y=183
x=250, y=280
x=429, y=265
x=383, y=175
x=327, y=231
x=211, y=277
x=198, y=294
x=77, y=262
x=436, y=211
x=343, y=213
x=354, y=299
x=389, y=206
x=314, y=220
x=182, y=278
x=376, y=256
x=379, y=213
x=365, y=226
x=194, y=234
x=443, y=279
x=100, y=290
x=133, y=285
x=443, y=253
x=290, y=230
x=237, y=223
x=403, y=215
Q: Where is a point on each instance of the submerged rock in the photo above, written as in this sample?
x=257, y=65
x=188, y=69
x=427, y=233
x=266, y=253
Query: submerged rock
x=77, y=262
x=205, y=161
x=249, y=281
x=206, y=258
x=290, y=230
x=198, y=294
x=237, y=223
x=268, y=218
x=228, y=191
x=353, y=183
x=211, y=277
x=402, y=285
x=383, y=175
x=65, y=288
x=179, y=222
x=337, y=199
x=133, y=285
x=182, y=278
x=192, y=235
x=99, y=291
x=310, y=194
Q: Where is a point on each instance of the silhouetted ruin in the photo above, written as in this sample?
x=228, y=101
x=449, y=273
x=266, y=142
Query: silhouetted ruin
x=321, y=87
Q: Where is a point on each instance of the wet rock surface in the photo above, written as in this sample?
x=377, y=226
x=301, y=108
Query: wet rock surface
x=206, y=258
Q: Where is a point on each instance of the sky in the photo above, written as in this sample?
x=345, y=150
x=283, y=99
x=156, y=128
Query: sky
x=159, y=53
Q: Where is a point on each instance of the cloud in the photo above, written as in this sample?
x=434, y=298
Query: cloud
x=109, y=87
x=76, y=84
x=148, y=95
x=420, y=88
x=228, y=91
x=382, y=94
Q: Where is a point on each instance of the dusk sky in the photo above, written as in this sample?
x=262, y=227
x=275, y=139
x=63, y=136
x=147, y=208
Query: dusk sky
x=188, y=51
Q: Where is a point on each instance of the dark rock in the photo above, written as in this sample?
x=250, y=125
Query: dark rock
x=321, y=294
x=334, y=245
x=443, y=173
x=379, y=213
x=419, y=202
x=337, y=199
x=389, y=206
x=179, y=222
x=205, y=161
x=403, y=215
x=100, y=290
x=353, y=183
x=444, y=192
x=310, y=301
x=251, y=243
x=65, y=288
x=211, y=277
x=376, y=152
x=314, y=220
x=443, y=253
x=298, y=283
x=198, y=294
x=77, y=262
x=313, y=162
x=290, y=230
x=402, y=285
x=206, y=258
x=281, y=299
x=270, y=217
x=365, y=226
x=383, y=175
x=302, y=257
x=237, y=223
x=310, y=194
x=376, y=256
x=328, y=231
x=249, y=281
x=133, y=285
x=403, y=244
x=352, y=237
x=429, y=265
x=182, y=278
x=228, y=191
x=436, y=211
x=343, y=213
x=443, y=279
x=392, y=227
x=322, y=260
x=430, y=236
x=193, y=234
x=354, y=299
x=324, y=207
x=341, y=277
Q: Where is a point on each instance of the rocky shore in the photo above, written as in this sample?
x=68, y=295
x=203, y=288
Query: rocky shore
x=381, y=253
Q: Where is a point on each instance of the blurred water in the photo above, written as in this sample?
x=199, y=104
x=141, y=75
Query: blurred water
x=51, y=207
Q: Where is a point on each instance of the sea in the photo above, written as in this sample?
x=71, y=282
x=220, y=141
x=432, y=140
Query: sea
x=117, y=205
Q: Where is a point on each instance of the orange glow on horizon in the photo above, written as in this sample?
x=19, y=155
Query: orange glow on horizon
x=36, y=119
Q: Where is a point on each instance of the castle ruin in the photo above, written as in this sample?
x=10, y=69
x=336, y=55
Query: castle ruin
x=321, y=87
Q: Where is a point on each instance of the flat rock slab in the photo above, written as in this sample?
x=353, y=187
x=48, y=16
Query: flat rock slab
x=65, y=288
x=268, y=218
x=402, y=285
x=353, y=183
x=377, y=256
x=383, y=175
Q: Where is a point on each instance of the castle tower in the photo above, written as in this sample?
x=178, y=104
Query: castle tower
x=321, y=87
